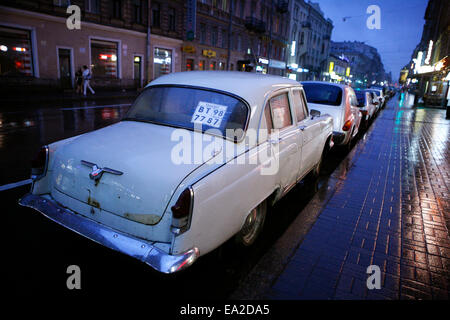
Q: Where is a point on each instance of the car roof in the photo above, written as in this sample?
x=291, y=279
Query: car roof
x=252, y=87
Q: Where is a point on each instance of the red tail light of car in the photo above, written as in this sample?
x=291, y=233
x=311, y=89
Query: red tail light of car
x=39, y=164
x=181, y=211
x=347, y=125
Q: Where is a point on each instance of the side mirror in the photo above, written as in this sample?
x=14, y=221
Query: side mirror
x=314, y=113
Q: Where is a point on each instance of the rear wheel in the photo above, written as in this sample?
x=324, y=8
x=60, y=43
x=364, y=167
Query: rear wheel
x=252, y=226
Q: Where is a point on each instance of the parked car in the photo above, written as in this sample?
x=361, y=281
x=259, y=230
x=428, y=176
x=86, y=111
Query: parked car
x=375, y=100
x=340, y=102
x=379, y=92
x=125, y=187
x=366, y=106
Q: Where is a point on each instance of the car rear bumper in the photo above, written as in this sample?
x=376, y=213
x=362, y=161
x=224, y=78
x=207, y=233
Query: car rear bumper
x=137, y=248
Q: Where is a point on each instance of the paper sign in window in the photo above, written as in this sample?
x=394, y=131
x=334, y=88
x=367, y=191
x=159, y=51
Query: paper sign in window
x=209, y=114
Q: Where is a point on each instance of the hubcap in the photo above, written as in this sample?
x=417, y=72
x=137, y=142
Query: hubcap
x=251, y=226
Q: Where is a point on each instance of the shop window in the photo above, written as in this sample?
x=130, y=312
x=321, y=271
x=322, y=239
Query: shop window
x=104, y=58
x=16, y=57
x=162, y=62
x=189, y=64
x=201, y=65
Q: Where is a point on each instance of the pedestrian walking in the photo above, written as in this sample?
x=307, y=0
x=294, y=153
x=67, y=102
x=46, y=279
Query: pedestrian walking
x=87, y=76
x=79, y=81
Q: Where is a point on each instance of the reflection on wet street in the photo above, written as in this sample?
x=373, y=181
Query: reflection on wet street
x=24, y=130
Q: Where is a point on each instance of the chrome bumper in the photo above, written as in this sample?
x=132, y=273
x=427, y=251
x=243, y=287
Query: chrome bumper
x=134, y=247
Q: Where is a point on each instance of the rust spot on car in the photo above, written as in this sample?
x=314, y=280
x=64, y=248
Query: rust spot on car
x=144, y=218
x=93, y=202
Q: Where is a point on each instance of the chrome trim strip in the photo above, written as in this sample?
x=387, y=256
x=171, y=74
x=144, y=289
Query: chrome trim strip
x=137, y=248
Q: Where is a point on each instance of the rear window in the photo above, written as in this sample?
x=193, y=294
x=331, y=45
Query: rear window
x=376, y=93
x=186, y=107
x=361, y=96
x=323, y=94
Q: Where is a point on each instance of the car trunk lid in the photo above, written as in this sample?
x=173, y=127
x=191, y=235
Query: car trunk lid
x=142, y=176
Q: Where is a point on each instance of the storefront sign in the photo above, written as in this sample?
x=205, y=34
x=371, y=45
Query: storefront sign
x=209, y=53
x=277, y=64
x=188, y=49
x=263, y=61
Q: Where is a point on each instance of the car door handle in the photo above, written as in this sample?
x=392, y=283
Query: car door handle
x=302, y=128
x=274, y=141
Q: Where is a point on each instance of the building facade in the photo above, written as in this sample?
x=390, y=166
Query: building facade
x=428, y=70
x=40, y=50
x=365, y=62
x=127, y=43
x=309, y=41
x=255, y=42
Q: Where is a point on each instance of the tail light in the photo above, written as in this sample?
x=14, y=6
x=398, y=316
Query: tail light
x=347, y=125
x=181, y=211
x=39, y=164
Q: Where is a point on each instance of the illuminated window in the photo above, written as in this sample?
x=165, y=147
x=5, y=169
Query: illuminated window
x=201, y=65
x=16, y=57
x=104, y=58
x=162, y=62
x=189, y=64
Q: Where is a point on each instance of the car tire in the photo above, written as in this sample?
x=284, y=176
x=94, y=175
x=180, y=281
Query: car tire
x=253, y=226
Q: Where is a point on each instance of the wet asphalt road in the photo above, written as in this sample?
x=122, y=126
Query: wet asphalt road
x=42, y=250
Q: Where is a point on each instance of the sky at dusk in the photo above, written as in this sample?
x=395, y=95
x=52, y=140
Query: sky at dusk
x=401, y=27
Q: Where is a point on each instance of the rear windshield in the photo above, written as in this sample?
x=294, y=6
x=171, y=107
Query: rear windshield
x=185, y=107
x=323, y=94
x=377, y=93
x=361, y=96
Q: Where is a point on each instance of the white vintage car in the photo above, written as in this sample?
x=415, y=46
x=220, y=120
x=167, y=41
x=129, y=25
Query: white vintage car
x=196, y=161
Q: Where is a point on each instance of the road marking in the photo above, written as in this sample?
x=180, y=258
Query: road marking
x=15, y=185
x=95, y=107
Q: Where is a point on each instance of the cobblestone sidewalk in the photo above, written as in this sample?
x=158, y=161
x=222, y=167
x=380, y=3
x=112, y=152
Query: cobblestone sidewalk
x=390, y=208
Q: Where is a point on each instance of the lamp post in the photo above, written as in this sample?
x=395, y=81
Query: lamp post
x=230, y=27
